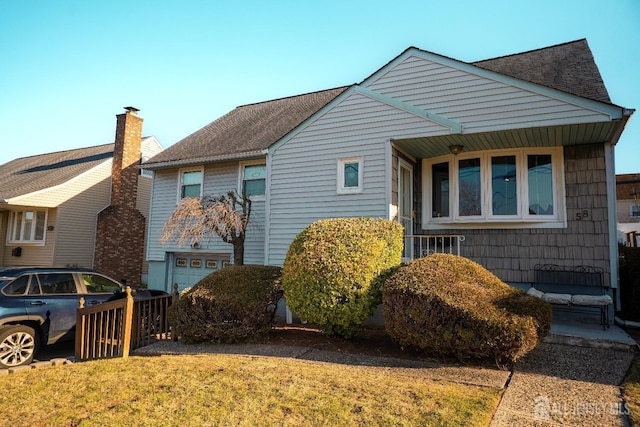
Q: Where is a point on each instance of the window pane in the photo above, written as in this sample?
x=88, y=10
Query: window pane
x=440, y=190
x=255, y=172
x=97, y=284
x=55, y=283
x=41, y=217
x=540, y=184
x=504, y=196
x=18, y=286
x=17, y=225
x=27, y=225
x=351, y=175
x=191, y=191
x=189, y=178
x=470, y=201
x=255, y=187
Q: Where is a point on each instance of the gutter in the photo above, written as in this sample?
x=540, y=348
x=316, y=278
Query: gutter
x=626, y=323
x=201, y=160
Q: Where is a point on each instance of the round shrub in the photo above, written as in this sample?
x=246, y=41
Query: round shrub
x=332, y=272
x=229, y=305
x=451, y=306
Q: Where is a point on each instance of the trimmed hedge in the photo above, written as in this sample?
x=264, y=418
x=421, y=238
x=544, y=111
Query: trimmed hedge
x=229, y=305
x=333, y=271
x=451, y=306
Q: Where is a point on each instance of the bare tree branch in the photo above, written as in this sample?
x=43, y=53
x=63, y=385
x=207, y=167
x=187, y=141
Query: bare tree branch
x=195, y=220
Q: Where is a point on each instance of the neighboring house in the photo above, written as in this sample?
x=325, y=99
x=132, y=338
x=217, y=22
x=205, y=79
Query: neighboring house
x=628, y=207
x=515, y=153
x=50, y=203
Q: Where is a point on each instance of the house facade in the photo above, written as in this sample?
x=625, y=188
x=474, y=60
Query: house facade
x=50, y=203
x=513, y=153
x=628, y=208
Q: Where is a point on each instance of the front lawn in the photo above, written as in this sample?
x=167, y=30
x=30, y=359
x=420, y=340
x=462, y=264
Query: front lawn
x=631, y=391
x=236, y=390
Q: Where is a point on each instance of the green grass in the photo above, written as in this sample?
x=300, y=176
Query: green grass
x=631, y=391
x=220, y=390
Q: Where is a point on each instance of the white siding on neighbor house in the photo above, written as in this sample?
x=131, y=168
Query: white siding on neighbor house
x=304, y=169
x=218, y=179
x=479, y=103
x=34, y=255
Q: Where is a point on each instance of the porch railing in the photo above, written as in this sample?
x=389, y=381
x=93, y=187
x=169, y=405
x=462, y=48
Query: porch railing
x=115, y=328
x=418, y=246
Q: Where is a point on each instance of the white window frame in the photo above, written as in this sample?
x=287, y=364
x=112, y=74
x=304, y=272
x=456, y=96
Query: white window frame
x=487, y=219
x=181, y=173
x=255, y=197
x=634, y=211
x=31, y=241
x=341, y=163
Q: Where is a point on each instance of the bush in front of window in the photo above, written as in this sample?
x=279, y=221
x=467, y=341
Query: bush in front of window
x=230, y=305
x=334, y=270
x=450, y=306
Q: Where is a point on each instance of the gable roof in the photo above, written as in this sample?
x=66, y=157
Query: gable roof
x=568, y=67
x=245, y=131
x=28, y=174
x=248, y=130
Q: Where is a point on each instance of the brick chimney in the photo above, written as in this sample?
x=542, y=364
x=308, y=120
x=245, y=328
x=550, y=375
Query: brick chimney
x=120, y=232
x=126, y=158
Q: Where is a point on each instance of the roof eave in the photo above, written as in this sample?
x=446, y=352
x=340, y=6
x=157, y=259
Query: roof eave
x=222, y=158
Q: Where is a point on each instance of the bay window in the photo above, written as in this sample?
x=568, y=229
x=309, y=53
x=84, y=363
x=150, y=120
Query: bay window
x=520, y=187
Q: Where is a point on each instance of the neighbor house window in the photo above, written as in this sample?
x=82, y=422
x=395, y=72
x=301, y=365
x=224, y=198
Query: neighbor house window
x=502, y=186
x=635, y=210
x=254, y=180
x=350, y=175
x=190, y=183
x=27, y=226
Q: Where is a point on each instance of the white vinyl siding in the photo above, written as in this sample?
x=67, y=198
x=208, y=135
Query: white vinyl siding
x=303, y=178
x=481, y=104
x=218, y=179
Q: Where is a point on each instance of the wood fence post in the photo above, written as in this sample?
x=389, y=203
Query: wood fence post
x=80, y=331
x=174, y=300
x=128, y=323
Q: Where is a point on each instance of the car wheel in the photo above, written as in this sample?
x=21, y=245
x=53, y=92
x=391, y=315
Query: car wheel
x=18, y=345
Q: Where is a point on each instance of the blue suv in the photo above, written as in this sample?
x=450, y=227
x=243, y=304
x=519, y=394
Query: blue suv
x=38, y=307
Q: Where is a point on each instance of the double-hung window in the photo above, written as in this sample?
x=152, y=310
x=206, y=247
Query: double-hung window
x=635, y=210
x=27, y=226
x=190, y=183
x=254, y=180
x=494, y=188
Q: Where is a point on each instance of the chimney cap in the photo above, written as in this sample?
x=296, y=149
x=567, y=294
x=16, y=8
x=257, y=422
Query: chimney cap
x=131, y=109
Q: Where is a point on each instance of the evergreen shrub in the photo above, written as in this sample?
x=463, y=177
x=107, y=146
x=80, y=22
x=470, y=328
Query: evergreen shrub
x=450, y=306
x=229, y=305
x=334, y=269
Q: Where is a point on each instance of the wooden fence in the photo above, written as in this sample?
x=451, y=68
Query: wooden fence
x=115, y=328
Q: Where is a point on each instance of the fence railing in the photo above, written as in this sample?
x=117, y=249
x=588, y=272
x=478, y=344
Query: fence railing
x=115, y=328
x=418, y=246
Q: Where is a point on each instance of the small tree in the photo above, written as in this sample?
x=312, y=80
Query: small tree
x=197, y=219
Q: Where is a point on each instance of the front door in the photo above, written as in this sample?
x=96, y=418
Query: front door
x=405, y=206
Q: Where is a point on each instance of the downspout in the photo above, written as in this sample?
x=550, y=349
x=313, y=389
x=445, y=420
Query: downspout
x=267, y=209
x=609, y=155
x=388, y=187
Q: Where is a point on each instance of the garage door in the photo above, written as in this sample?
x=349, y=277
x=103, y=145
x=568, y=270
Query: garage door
x=188, y=269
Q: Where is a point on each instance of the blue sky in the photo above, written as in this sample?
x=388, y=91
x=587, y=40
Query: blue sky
x=68, y=67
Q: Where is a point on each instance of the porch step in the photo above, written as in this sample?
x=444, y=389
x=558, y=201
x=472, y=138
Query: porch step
x=590, y=335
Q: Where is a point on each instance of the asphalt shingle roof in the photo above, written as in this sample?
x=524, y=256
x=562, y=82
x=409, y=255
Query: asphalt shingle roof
x=568, y=67
x=28, y=174
x=248, y=129
x=628, y=186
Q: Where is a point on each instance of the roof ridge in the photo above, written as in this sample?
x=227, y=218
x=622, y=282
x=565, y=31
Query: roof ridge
x=294, y=96
x=61, y=151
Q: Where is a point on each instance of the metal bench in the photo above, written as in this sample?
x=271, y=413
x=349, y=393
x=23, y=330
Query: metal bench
x=583, y=289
